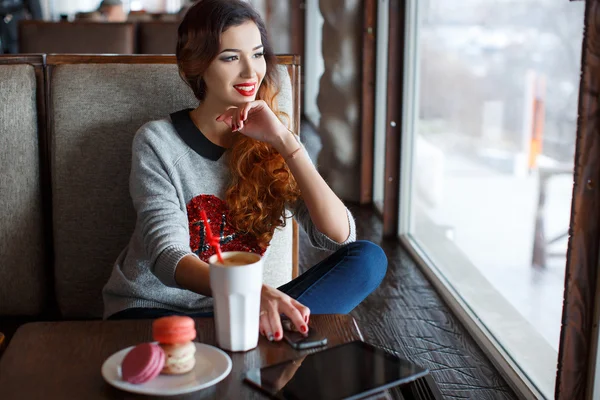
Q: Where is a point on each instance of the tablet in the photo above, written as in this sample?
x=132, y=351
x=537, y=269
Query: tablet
x=348, y=371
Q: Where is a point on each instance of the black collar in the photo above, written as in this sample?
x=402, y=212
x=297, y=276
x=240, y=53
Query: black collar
x=193, y=137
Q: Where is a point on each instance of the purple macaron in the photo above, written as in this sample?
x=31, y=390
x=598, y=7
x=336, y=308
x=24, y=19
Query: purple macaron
x=142, y=363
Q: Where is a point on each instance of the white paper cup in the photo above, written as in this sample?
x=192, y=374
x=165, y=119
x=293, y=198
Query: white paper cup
x=236, y=293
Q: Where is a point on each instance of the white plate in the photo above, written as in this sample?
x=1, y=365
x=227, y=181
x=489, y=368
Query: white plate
x=212, y=366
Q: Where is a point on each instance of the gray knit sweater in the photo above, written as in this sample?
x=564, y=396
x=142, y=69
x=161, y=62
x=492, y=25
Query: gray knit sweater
x=176, y=172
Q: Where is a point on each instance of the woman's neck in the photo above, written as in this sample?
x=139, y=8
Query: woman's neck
x=205, y=119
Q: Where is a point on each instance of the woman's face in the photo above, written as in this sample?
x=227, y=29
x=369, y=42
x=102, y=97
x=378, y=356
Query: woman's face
x=234, y=76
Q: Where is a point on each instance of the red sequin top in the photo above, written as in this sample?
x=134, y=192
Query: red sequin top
x=217, y=214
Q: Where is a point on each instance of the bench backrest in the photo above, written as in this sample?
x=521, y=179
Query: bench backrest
x=96, y=104
x=66, y=124
x=80, y=37
x=157, y=37
x=23, y=250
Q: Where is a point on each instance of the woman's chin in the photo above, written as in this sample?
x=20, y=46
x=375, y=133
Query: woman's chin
x=241, y=102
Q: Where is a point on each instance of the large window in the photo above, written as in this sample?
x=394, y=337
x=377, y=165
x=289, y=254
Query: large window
x=489, y=161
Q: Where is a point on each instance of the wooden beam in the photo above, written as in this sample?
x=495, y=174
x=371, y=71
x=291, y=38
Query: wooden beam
x=395, y=80
x=268, y=13
x=578, y=338
x=295, y=249
x=298, y=36
x=368, y=101
x=60, y=59
x=297, y=19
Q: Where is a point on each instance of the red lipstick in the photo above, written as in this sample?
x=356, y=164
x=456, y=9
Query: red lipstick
x=246, y=89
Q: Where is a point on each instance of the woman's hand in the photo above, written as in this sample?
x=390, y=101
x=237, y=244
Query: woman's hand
x=256, y=120
x=273, y=303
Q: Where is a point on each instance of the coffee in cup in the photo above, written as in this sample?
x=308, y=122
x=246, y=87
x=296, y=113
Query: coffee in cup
x=236, y=285
x=237, y=260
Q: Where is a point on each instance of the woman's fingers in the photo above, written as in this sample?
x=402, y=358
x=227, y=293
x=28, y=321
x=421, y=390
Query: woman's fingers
x=274, y=303
x=245, y=109
x=265, y=325
x=305, y=311
x=275, y=321
x=235, y=122
x=231, y=117
x=293, y=313
x=235, y=117
x=225, y=117
x=270, y=322
x=243, y=115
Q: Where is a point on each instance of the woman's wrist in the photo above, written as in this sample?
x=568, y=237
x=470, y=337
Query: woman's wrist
x=286, y=143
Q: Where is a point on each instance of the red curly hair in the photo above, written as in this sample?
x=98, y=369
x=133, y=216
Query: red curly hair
x=261, y=184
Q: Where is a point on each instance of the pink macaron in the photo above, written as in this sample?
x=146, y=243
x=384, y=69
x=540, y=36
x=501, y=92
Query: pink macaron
x=142, y=363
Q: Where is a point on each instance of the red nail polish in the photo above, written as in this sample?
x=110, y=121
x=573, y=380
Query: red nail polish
x=277, y=335
x=304, y=328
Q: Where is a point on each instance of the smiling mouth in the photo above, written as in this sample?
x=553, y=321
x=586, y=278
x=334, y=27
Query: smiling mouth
x=246, y=90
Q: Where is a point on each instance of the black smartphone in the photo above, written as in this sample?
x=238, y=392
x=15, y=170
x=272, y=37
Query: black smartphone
x=300, y=341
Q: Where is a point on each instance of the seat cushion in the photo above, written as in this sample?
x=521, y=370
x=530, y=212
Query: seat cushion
x=96, y=109
x=22, y=268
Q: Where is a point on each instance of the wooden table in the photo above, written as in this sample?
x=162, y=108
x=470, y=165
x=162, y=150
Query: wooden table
x=62, y=360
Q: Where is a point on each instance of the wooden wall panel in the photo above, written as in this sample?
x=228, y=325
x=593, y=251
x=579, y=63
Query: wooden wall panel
x=395, y=84
x=368, y=100
x=576, y=357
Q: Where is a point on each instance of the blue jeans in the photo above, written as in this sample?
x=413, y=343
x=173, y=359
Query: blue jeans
x=334, y=286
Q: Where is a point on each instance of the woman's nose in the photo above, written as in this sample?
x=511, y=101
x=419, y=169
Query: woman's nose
x=247, y=70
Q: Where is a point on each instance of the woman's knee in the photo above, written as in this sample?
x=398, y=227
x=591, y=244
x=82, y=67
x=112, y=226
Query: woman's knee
x=373, y=261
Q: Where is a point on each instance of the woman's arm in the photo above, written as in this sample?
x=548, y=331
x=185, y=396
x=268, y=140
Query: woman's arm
x=193, y=274
x=326, y=210
x=163, y=222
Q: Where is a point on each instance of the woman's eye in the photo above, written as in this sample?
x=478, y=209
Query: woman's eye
x=259, y=55
x=228, y=59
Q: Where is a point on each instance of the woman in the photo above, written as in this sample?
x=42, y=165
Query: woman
x=234, y=158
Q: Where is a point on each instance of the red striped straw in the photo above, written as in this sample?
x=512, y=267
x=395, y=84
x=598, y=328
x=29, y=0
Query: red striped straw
x=212, y=240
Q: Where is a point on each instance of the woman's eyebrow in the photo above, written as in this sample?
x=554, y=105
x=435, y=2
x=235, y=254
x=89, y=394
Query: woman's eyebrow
x=239, y=51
